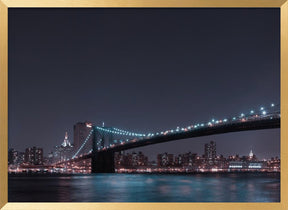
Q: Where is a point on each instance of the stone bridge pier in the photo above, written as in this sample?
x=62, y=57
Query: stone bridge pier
x=103, y=162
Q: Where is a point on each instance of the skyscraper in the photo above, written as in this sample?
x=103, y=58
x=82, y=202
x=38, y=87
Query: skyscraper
x=165, y=159
x=81, y=131
x=11, y=156
x=66, y=141
x=210, y=150
x=66, y=149
x=34, y=156
x=63, y=151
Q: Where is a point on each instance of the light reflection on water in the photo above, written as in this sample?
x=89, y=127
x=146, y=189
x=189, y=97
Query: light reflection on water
x=147, y=188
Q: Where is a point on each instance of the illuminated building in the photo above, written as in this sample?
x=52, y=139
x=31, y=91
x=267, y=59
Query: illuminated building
x=50, y=158
x=130, y=160
x=20, y=158
x=165, y=159
x=66, y=149
x=134, y=159
x=178, y=160
x=81, y=131
x=142, y=159
x=15, y=157
x=61, y=152
x=251, y=154
x=66, y=142
x=119, y=159
x=34, y=156
x=255, y=165
x=236, y=165
x=188, y=159
x=185, y=159
x=210, y=152
x=12, y=156
x=274, y=164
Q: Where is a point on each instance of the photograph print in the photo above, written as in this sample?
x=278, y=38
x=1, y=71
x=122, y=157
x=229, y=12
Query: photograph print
x=144, y=105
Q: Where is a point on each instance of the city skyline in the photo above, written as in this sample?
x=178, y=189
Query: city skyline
x=66, y=143
x=164, y=73
x=32, y=161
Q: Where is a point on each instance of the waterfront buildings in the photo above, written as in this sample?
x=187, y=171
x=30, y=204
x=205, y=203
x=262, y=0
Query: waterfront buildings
x=186, y=159
x=15, y=157
x=165, y=160
x=138, y=162
x=210, y=151
x=34, y=156
x=130, y=160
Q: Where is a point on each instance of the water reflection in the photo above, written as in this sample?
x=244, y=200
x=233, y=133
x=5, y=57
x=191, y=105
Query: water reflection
x=147, y=188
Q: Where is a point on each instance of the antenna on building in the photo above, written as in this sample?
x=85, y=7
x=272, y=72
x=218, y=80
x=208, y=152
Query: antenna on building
x=102, y=124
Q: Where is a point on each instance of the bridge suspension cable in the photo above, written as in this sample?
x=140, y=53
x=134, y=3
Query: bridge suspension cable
x=120, y=132
x=262, y=112
x=86, y=140
x=271, y=111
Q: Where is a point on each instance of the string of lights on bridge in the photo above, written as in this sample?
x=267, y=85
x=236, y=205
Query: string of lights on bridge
x=120, y=132
x=87, y=138
x=262, y=112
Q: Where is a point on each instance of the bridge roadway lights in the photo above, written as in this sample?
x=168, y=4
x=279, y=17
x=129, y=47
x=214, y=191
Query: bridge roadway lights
x=103, y=162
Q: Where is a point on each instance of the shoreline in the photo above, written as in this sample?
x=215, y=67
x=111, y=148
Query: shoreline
x=146, y=173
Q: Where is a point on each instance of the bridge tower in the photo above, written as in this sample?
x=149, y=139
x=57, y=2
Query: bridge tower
x=102, y=161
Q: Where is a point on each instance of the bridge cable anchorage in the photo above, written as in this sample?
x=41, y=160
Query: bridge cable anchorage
x=86, y=140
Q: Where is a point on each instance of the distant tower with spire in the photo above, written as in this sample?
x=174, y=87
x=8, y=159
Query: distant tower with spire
x=251, y=154
x=66, y=141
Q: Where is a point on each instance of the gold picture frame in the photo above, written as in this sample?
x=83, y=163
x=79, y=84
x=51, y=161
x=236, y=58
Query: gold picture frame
x=5, y=4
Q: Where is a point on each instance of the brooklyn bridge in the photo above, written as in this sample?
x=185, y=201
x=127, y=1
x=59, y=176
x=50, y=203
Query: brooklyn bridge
x=101, y=143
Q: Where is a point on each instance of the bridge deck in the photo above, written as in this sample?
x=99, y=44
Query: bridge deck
x=206, y=131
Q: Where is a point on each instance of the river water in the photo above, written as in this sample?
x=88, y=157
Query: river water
x=229, y=187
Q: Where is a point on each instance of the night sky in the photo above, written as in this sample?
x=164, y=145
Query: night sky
x=142, y=70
